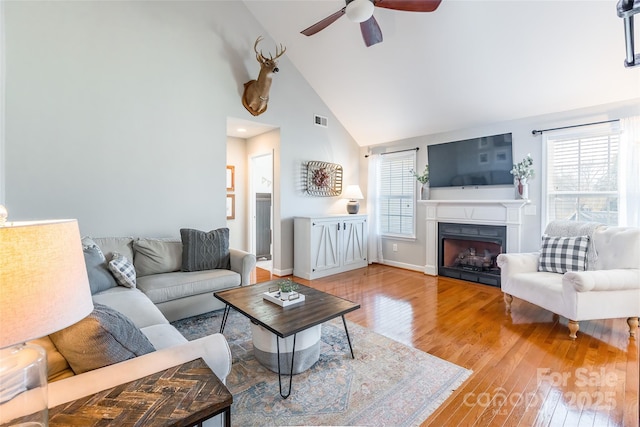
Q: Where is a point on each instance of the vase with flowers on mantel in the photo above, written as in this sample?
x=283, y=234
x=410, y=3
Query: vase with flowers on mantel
x=522, y=188
x=522, y=172
x=424, y=191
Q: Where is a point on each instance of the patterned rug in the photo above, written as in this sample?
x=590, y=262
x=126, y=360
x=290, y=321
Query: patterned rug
x=387, y=384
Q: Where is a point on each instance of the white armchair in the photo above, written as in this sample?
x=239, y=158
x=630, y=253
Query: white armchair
x=609, y=288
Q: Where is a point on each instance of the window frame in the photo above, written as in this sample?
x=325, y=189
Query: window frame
x=412, y=157
x=594, y=131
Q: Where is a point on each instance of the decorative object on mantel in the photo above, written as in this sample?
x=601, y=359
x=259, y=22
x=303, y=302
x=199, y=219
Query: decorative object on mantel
x=324, y=179
x=523, y=172
x=354, y=194
x=423, y=179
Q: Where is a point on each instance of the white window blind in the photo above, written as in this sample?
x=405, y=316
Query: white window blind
x=397, y=188
x=582, y=177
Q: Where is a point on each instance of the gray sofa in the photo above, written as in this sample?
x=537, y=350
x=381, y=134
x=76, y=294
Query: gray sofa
x=178, y=294
x=162, y=293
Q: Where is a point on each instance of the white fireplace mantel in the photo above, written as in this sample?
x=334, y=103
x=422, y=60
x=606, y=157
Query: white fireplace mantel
x=485, y=212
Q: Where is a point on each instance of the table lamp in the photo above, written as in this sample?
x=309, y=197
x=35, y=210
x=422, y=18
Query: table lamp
x=354, y=194
x=43, y=288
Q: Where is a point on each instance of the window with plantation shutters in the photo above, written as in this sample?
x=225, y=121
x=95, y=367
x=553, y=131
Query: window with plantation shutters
x=582, y=177
x=397, y=189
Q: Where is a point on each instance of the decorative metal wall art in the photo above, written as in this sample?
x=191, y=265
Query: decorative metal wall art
x=324, y=179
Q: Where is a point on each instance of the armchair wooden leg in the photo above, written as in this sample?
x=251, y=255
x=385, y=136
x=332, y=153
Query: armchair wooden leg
x=507, y=302
x=633, y=325
x=573, y=329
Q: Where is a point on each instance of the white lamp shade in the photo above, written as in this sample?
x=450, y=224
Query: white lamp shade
x=359, y=10
x=353, y=192
x=43, y=279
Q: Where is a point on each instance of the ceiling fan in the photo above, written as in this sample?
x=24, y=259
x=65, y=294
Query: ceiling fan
x=362, y=11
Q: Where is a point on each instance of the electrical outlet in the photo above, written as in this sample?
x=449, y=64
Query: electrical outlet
x=395, y=247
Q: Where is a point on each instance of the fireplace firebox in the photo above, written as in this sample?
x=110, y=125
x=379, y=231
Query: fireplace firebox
x=469, y=251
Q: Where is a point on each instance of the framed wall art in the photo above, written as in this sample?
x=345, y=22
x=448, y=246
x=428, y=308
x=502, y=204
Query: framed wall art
x=231, y=178
x=231, y=206
x=324, y=179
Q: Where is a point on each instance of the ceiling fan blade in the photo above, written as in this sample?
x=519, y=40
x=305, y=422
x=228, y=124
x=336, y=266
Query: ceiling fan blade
x=323, y=23
x=409, y=5
x=371, y=32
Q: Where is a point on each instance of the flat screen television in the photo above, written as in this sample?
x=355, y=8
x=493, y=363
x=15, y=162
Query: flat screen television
x=471, y=162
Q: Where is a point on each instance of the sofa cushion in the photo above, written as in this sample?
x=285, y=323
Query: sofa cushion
x=617, y=247
x=163, y=336
x=562, y=254
x=205, y=250
x=171, y=286
x=155, y=256
x=100, y=278
x=133, y=304
x=103, y=338
x=109, y=245
x=123, y=270
x=88, y=242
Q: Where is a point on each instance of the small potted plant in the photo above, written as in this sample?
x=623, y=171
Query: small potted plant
x=424, y=180
x=287, y=288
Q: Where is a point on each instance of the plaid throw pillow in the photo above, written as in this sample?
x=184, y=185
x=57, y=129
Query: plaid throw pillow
x=123, y=270
x=562, y=254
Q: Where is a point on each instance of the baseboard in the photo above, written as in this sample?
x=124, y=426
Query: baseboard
x=286, y=272
x=406, y=266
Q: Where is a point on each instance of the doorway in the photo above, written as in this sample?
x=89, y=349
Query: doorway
x=261, y=172
x=263, y=226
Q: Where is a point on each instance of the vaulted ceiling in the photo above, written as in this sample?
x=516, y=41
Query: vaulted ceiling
x=467, y=64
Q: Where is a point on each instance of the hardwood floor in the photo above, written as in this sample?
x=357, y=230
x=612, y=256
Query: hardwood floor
x=526, y=370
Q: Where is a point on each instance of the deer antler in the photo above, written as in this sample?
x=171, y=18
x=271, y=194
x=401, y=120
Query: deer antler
x=261, y=58
x=282, y=51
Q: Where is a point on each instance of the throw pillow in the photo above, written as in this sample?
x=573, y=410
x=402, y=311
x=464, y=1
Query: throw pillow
x=155, y=256
x=205, y=250
x=89, y=242
x=100, y=279
x=562, y=254
x=123, y=270
x=103, y=338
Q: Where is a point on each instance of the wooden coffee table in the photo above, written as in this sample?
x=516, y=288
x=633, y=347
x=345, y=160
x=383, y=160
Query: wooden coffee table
x=317, y=308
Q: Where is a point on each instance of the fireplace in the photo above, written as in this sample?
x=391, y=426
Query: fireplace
x=469, y=251
x=500, y=213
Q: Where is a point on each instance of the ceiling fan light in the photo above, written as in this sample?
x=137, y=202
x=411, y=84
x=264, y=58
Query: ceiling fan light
x=359, y=10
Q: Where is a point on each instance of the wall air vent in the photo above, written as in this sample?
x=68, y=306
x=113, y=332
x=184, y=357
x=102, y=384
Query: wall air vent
x=320, y=121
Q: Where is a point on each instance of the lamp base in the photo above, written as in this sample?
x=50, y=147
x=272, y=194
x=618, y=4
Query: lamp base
x=23, y=386
x=353, y=206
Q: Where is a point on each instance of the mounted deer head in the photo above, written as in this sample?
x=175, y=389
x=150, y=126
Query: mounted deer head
x=256, y=92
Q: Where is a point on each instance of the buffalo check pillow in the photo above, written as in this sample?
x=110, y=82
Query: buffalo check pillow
x=562, y=254
x=123, y=270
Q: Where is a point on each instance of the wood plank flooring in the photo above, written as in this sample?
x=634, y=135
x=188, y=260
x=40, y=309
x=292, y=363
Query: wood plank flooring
x=526, y=370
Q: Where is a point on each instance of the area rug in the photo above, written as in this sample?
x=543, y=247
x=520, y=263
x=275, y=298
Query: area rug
x=387, y=384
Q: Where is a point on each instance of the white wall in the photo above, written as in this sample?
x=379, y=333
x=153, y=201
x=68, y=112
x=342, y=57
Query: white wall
x=411, y=253
x=116, y=115
x=238, y=227
x=2, y=104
